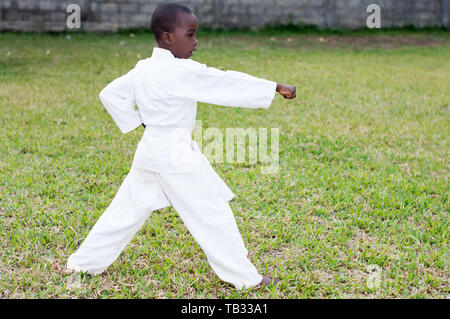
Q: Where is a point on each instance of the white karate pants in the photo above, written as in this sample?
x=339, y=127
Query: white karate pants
x=201, y=204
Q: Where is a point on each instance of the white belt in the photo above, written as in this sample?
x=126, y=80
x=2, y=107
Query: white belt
x=167, y=131
x=178, y=133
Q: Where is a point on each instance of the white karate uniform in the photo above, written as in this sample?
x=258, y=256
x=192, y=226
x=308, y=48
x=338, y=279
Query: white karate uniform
x=168, y=168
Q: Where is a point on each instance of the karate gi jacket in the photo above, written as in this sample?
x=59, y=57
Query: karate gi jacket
x=162, y=92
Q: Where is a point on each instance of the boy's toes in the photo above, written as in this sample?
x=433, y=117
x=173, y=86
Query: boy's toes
x=266, y=281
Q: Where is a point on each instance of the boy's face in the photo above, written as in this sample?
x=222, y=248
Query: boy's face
x=182, y=41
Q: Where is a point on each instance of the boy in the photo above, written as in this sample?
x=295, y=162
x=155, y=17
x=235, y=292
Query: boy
x=168, y=168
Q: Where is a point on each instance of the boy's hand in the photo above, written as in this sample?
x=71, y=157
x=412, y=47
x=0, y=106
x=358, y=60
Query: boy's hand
x=287, y=91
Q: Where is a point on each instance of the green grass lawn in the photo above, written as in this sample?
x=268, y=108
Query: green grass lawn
x=362, y=184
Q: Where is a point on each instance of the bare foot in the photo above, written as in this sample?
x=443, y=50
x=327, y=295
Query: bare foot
x=266, y=281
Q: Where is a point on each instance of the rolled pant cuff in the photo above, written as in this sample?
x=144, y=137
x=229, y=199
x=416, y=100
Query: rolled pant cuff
x=249, y=284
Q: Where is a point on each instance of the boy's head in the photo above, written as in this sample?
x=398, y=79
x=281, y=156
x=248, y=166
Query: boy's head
x=174, y=27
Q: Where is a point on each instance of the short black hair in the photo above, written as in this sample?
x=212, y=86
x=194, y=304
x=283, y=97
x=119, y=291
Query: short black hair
x=164, y=18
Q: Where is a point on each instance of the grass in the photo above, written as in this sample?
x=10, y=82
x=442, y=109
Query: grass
x=363, y=178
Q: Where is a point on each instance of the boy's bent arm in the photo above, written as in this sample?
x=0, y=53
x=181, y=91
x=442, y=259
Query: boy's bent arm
x=118, y=99
x=227, y=88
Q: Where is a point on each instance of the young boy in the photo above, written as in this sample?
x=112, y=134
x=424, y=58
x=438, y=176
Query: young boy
x=168, y=168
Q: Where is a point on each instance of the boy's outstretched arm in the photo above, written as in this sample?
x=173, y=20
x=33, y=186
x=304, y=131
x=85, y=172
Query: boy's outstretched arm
x=198, y=82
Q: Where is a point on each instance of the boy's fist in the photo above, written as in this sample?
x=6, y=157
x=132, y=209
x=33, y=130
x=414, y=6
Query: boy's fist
x=287, y=91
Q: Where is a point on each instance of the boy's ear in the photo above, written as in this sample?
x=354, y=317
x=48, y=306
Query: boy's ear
x=167, y=38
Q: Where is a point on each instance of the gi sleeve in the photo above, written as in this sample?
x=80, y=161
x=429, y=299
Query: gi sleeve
x=205, y=84
x=119, y=100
